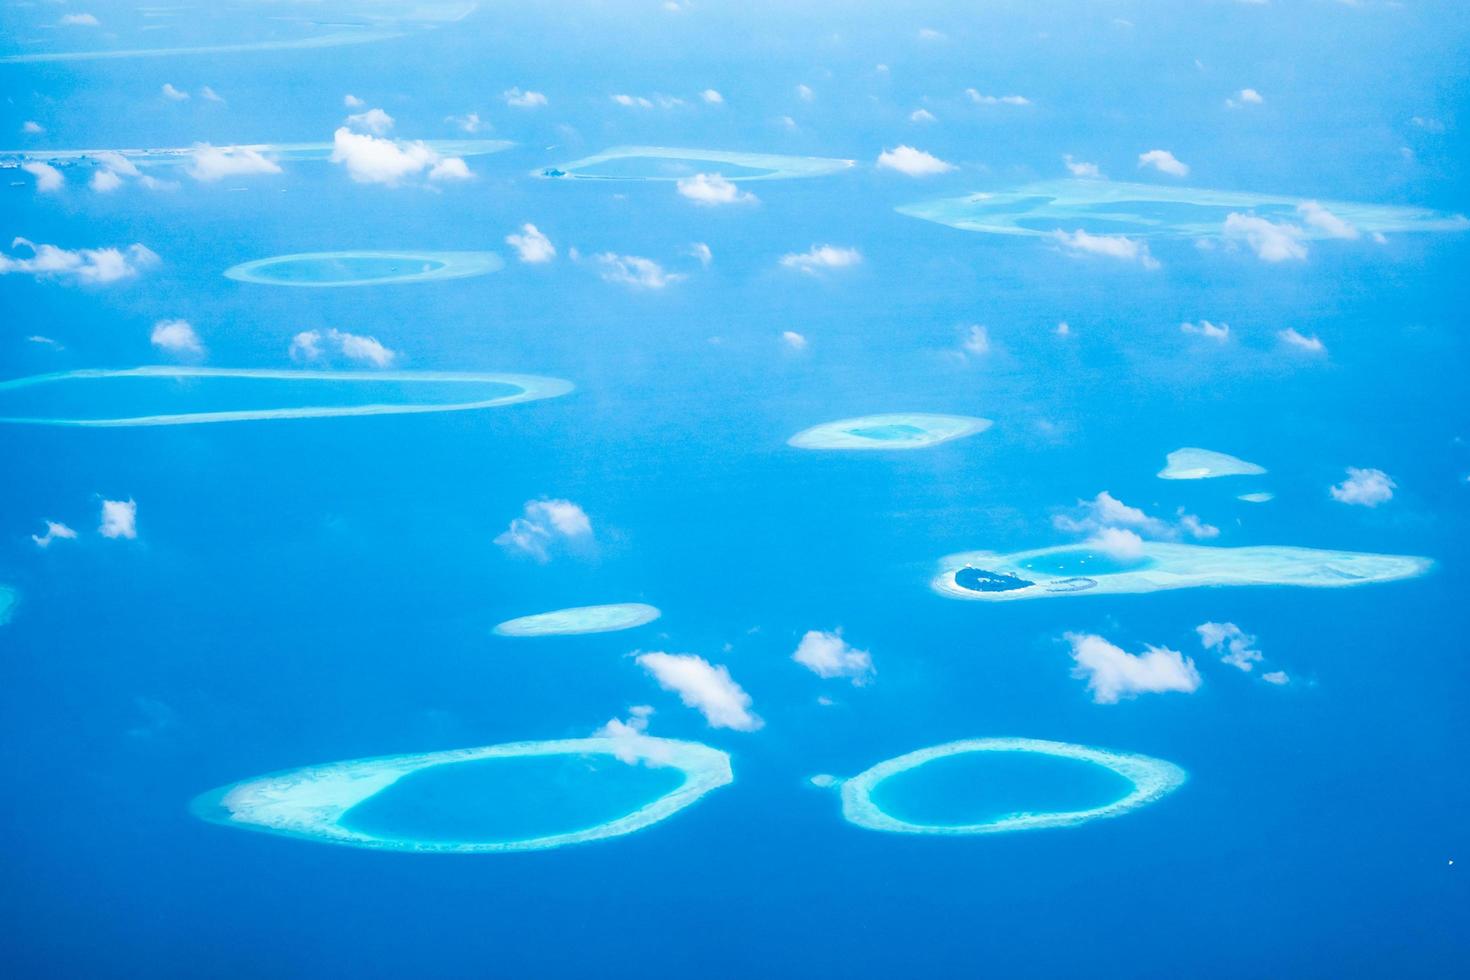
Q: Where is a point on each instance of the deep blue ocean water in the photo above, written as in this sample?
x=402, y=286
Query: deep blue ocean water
x=307, y=591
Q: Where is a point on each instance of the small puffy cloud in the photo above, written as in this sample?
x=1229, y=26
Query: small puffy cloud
x=1117, y=542
x=105, y=181
x=79, y=20
x=804, y=93
x=544, y=526
x=712, y=190
x=210, y=95
x=634, y=270
x=32, y=128
x=1277, y=677
x=55, y=531
x=176, y=337
x=119, y=519
x=173, y=94
x=1164, y=162
x=1204, y=328
x=820, y=257
x=531, y=245
x=94, y=266
x=712, y=97
x=793, y=340
x=374, y=160
x=1245, y=97
x=1364, y=488
x=829, y=655
x=451, y=168
x=631, y=743
x=977, y=340
x=1121, y=247
x=913, y=162
x=471, y=123
x=210, y=163
x=517, y=99
x=48, y=178
x=1113, y=674
x=352, y=102
x=1081, y=168
x=309, y=346
x=707, y=688
x=373, y=120
x=1324, y=221
x=306, y=346
x=980, y=98
x=1235, y=646
x=1295, y=338
x=922, y=116
x=1271, y=241
x=702, y=252
x=1105, y=513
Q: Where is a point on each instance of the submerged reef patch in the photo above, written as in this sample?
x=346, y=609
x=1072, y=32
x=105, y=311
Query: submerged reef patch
x=581, y=619
x=1150, y=779
x=495, y=390
x=316, y=802
x=1112, y=207
x=183, y=156
x=1067, y=569
x=911, y=430
x=7, y=603
x=677, y=163
x=1259, y=497
x=332, y=269
x=1205, y=464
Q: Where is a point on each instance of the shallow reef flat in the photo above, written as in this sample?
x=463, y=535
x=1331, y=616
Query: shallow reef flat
x=498, y=390
x=1112, y=207
x=1079, y=569
x=1150, y=780
x=906, y=430
x=8, y=598
x=336, y=269
x=581, y=619
x=180, y=156
x=1205, y=464
x=316, y=802
x=1258, y=497
x=676, y=163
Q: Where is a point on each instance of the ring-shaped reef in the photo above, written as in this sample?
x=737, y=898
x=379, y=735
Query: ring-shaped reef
x=181, y=156
x=1103, y=207
x=903, y=430
x=581, y=619
x=1190, y=463
x=501, y=389
x=677, y=163
x=1078, y=569
x=1150, y=779
x=318, y=270
x=317, y=802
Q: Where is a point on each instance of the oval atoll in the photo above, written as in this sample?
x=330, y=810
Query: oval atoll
x=581, y=619
x=176, y=395
x=334, y=269
x=1148, y=779
x=521, y=796
x=906, y=430
x=678, y=163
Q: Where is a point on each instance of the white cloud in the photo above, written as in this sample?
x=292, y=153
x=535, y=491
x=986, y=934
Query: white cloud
x=977, y=340
x=1329, y=224
x=1235, y=646
x=79, y=20
x=804, y=93
x=1164, y=162
x=1117, y=542
x=360, y=348
x=793, y=340
x=1277, y=677
x=1081, y=168
x=712, y=190
x=631, y=744
x=352, y=102
x=119, y=519
x=545, y=525
x=930, y=34
x=173, y=94
x=88, y=265
x=515, y=98
x=48, y=178
x=1295, y=338
x=1246, y=96
x=1270, y=241
x=1112, y=246
x=306, y=346
x=531, y=244
x=471, y=123
x=210, y=163
x=373, y=120
x=1064, y=329
x=922, y=116
x=373, y=160
x=32, y=128
x=1214, y=331
x=1105, y=513
x=913, y=162
x=1365, y=488
x=176, y=337
x=642, y=102
x=1113, y=674
x=634, y=270
x=829, y=655
x=210, y=95
x=702, y=252
x=712, y=97
x=105, y=181
x=55, y=531
x=979, y=98
x=822, y=257
x=703, y=686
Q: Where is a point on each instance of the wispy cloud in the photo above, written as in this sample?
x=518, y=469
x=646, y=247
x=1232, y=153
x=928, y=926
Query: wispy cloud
x=820, y=257
x=544, y=526
x=634, y=270
x=531, y=244
x=92, y=266
x=1121, y=247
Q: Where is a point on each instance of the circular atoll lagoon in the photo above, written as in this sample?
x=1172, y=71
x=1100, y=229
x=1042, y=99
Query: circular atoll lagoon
x=581, y=619
x=678, y=163
x=907, y=430
x=1205, y=464
x=331, y=269
x=176, y=395
x=1160, y=565
x=521, y=796
x=1011, y=797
